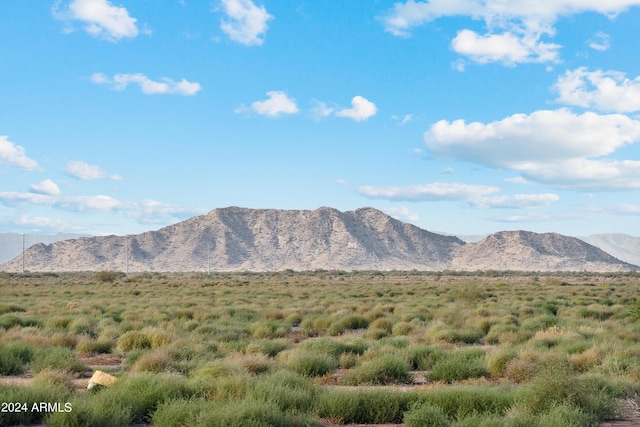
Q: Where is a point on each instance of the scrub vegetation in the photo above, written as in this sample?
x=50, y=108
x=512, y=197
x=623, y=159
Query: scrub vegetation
x=321, y=348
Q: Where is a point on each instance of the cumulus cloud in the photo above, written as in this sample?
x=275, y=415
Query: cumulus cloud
x=508, y=48
x=14, y=155
x=361, y=109
x=38, y=224
x=46, y=187
x=145, y=211
x=435, y=191
x=517, y=201
x=84, y=171
x=514, y=28
x=402, y=213
x=148, y=86
x=554, y=147
x=101, y=18
x=276, y=105
x=601, y=90
x=246, y=23
x=474, y=195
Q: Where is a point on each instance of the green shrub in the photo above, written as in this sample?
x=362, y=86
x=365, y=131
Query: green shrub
x=133, y=340
x=57, y=358
x=458, y=366
x=385, y=369
x=424, y=357
x=14, y=357
x=288, y=391
x=8, y=321
x=364, y=406
x=563, y=415
x=89, y=346
x=458, y=402
x=497, y=360
x=354, y=321
x=180, y=412
x=153, y=361
x=108, y=276
x=249, y=413
x=311, y=364
x=29, y=396
x=425, y=415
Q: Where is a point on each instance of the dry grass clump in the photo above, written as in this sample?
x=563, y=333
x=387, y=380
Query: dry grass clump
x=154, y=361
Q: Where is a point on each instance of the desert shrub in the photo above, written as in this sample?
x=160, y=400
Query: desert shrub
x=563, y=415
x=460, y=336
x=11, y=308
x=8, y=321
x=315, y=325
x=68, y=340
x=272, y=347
x=336, y=329
x=133, y=340
x=252, y=363
x=288, y=391
x=402, y=328
x=59, y=322
x=364, y=406
x=14, y=357
x=425, y=415
x=56, y=378
x=29, y=395
x=82, y=326
x=90, y=346
x=462, y=401
x=249, y=413
x=57, y=358
x=424, y=357
x=180, y=412
x=354, y=321
x=458, y=366
x=108, y=276
x=497, y=360
x=384, y=369
x=311, y=364
x=152, y=361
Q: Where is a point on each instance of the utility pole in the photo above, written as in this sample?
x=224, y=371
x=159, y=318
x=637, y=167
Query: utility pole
x=23, y=249
x=127, y=257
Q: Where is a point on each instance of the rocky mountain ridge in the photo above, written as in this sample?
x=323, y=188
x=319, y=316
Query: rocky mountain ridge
x=240, y=239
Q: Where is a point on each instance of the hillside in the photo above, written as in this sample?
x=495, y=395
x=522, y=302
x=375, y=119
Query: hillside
x=239, y=239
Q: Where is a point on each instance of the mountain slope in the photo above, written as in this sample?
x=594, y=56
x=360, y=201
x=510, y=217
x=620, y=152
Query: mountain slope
x=527, y=251
x=11, y=243
x=256, y=240
x=621, y=246
x=238, y=239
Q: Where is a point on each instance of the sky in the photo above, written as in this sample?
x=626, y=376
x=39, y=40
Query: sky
x=459, y=116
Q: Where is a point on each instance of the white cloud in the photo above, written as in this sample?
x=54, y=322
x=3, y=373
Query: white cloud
x=402, y=213
x=14, y=155
x=474, y=195
x=47, y=187
x=246, y=23
x=406, y=119
x=102, y=19
x=145, y=211
x=508, y=48
x=558, y=147
x=277, y=104
x=517, y=201
x=361, y=109
x=84, y=171
x=516, y=180
x=38, y=224
x=320, y=110
x=602, y=90
x=435, y=191
x=600, y=41
x=515, y=27
x=148, y=86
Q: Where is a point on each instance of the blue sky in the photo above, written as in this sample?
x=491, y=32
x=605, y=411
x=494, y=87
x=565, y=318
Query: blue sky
x=466, y=116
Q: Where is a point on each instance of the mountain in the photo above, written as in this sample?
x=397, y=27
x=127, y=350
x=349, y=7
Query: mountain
x=527, y=251
x=11, y=243
x=239, y=239
x=621, y=246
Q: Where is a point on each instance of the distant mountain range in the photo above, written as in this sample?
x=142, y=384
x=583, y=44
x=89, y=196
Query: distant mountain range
x=239, y=239
x=11, y=243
